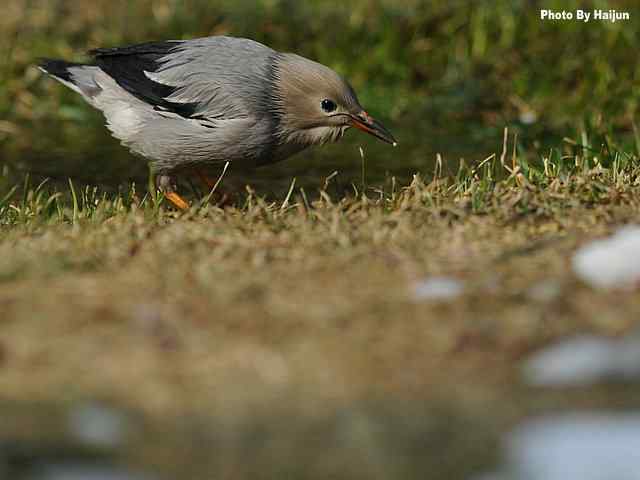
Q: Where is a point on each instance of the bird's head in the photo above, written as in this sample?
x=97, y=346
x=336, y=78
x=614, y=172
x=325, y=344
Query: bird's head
x=316, y=105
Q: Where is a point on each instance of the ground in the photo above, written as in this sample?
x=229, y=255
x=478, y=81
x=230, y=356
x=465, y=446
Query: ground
x=310, y=303
x=316, y=294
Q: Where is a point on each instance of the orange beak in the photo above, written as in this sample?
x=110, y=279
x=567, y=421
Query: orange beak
x=363, y=121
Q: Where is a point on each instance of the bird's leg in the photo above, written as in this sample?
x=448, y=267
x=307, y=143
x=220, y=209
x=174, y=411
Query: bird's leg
x=207, y=180
x=177, y=200
x=167, y=187
x=223, y=198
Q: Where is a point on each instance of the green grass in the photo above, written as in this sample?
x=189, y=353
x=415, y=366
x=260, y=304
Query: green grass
x=574, y=170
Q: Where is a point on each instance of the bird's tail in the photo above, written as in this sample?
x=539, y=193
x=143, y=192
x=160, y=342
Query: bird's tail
x=77, y=76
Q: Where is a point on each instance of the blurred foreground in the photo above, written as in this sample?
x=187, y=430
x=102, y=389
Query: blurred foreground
x=365, y=335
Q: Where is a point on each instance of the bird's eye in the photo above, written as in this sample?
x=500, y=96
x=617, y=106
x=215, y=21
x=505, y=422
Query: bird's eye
x=328, y=105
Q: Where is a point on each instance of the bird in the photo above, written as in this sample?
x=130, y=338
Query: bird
x=187, y=106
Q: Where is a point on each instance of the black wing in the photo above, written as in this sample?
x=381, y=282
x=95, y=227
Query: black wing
x=126, y=65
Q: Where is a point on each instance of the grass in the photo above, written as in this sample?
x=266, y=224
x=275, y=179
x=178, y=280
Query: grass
x=254, y=326
x=313, y=291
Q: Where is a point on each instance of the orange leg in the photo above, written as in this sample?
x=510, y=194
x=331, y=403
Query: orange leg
x=167, y=186
x=177, y=200
x=208, y=181
x=222, y=198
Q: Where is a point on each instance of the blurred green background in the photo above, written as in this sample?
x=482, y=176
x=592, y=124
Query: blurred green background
x=445, y=76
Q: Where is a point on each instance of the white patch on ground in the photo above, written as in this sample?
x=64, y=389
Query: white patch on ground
x=584, y=360
x=613, y=262
x=575, y=446
x=437, y=288
x=98, y=426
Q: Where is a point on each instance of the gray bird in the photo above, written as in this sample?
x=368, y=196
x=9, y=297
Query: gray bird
x=189, y=105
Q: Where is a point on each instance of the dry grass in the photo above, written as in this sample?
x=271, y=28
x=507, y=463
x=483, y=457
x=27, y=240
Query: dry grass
x=118, y=297
x=268, y=322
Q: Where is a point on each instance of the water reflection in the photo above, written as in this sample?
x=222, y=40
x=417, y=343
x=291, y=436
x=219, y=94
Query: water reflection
x=273, y=441
x=103, y=161
x=80, y=471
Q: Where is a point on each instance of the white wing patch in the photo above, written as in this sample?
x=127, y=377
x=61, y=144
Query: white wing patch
x=122, y=120
x=125, y=114
x=154, y=77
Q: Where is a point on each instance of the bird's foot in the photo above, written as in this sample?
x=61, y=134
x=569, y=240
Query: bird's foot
x=166, y=185
x=176, y=200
